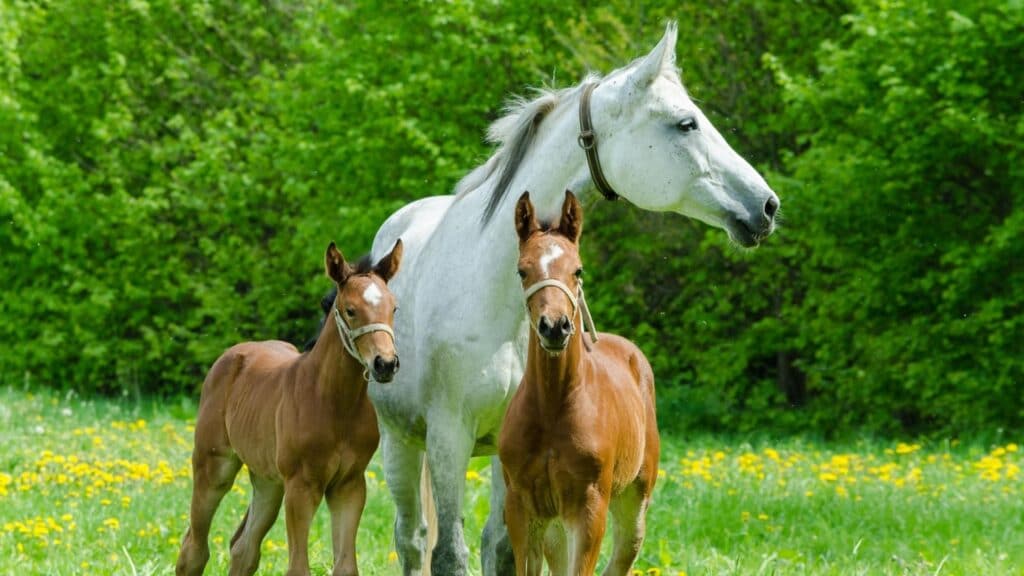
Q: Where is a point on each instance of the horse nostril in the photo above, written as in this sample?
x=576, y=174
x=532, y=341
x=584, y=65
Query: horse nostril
x=771, y=207
x=378, y=364
x=566, y=326
x=396, y=364
x=543, y=326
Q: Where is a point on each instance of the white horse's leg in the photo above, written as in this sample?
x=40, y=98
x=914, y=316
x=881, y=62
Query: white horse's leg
x=402, y=467
x=495, y=548
x=449, y=447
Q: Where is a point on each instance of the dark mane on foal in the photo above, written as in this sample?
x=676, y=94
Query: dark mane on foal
x=363, y=266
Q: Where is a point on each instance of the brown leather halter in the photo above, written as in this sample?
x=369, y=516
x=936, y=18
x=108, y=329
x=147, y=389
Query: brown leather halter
x=588, y=141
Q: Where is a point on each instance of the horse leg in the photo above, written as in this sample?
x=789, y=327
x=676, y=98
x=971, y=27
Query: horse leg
x=588, y=529
x=402, y=469
x=346, y=501
x=518, y=523
x=629, y=511
x=495, y=549
x=449, y=447
x=301, y=499
x=213, y=473
x=556, y=549
x=262, y=512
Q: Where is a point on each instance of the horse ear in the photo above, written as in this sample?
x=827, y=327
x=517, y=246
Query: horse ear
x=663, y=55
x=571, y=223
x=388, y=265
x=526, y=220
x=337, y=269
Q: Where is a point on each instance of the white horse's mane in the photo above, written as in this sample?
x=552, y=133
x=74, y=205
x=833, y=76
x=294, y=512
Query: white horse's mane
x=514, y=132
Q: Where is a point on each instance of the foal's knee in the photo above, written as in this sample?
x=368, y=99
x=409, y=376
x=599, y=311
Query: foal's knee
x=244, y=559
x=193, y=557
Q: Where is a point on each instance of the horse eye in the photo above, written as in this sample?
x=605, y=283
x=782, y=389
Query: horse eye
x=687, y=125
x=579, y=272
x=522, y=273
x=351, y=312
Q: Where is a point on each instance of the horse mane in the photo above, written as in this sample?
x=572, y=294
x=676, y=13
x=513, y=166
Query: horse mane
x=514, y=133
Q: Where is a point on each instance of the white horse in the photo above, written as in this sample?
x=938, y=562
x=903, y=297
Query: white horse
x=462, y=326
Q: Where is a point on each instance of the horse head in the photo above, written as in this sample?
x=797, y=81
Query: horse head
x=364, y=309
x=551, y=270
x=660, y=152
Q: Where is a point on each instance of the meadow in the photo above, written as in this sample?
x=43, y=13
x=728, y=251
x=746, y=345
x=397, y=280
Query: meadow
x=102, y=487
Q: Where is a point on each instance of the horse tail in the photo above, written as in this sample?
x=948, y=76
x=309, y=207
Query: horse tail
x=430, y=511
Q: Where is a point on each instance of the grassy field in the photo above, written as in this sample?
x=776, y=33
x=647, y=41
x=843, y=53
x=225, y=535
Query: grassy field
x=100, y=487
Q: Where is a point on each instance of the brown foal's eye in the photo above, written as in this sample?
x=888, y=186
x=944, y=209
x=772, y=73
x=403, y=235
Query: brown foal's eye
x=579, y=272
x=351, y=312
x=522, y=273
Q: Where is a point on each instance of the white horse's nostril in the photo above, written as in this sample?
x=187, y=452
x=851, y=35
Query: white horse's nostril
x=771, y=207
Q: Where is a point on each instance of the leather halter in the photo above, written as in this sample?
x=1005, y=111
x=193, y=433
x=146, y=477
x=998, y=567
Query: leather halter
x=349, y=336
x=588, y=141
x=579, y=305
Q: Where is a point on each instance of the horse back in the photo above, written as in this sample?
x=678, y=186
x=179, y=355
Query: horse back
x=243, y=389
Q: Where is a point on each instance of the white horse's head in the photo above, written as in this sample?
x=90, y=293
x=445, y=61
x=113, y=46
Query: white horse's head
x=660, y=152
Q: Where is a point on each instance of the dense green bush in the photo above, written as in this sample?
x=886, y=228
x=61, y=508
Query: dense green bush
x=170, y=172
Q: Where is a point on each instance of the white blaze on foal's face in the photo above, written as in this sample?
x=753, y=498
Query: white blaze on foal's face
x=551, y=253
x=373, y=295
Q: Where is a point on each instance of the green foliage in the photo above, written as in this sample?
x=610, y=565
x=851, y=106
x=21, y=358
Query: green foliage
x=170, y=172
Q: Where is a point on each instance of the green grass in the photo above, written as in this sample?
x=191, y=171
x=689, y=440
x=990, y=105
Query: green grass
x=101, y=487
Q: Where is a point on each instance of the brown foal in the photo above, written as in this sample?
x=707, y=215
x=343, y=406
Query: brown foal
x=302, y=423
x=580, y=436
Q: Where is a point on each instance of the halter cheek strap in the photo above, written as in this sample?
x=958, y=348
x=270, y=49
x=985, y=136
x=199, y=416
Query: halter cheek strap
x=579, y=304
x=588, y=141
x=349, y=336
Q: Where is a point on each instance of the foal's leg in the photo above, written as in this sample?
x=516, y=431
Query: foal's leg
x=301, y=499
x=346, y=501
x=449, y=446
x=518, y=522
x=262, y=512
x=629, y=511
x=495, y=549
x=588, y=530
x=402, y=468
x=213, y=472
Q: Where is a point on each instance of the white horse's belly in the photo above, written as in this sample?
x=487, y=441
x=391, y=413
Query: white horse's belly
x=461, y=356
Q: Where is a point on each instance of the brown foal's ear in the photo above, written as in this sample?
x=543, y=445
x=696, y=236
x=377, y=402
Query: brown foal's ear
x=388, y=265
x=337, y=269
x=571, y=223
x=526, y=220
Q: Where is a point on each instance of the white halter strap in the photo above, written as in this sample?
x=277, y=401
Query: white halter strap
x=579, y=304
x=349, y=336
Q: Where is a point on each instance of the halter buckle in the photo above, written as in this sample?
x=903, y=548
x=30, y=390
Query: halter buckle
x=586, y=139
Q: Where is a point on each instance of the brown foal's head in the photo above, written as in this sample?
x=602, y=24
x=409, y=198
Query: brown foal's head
x=551, y=253
x=364, y=300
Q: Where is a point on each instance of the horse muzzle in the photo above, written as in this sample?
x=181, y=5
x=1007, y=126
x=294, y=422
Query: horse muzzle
x=384, y=370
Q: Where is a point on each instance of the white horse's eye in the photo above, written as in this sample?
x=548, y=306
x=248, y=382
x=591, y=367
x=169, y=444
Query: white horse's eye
x=687, y=125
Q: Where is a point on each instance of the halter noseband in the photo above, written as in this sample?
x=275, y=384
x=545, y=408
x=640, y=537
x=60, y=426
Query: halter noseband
x=349, y=336
x=588, y=141
x=579, y=304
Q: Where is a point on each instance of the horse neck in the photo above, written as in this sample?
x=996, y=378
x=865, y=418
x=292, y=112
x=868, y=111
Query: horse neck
x=553, y=380
x=338, y=376
x=554, y=163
